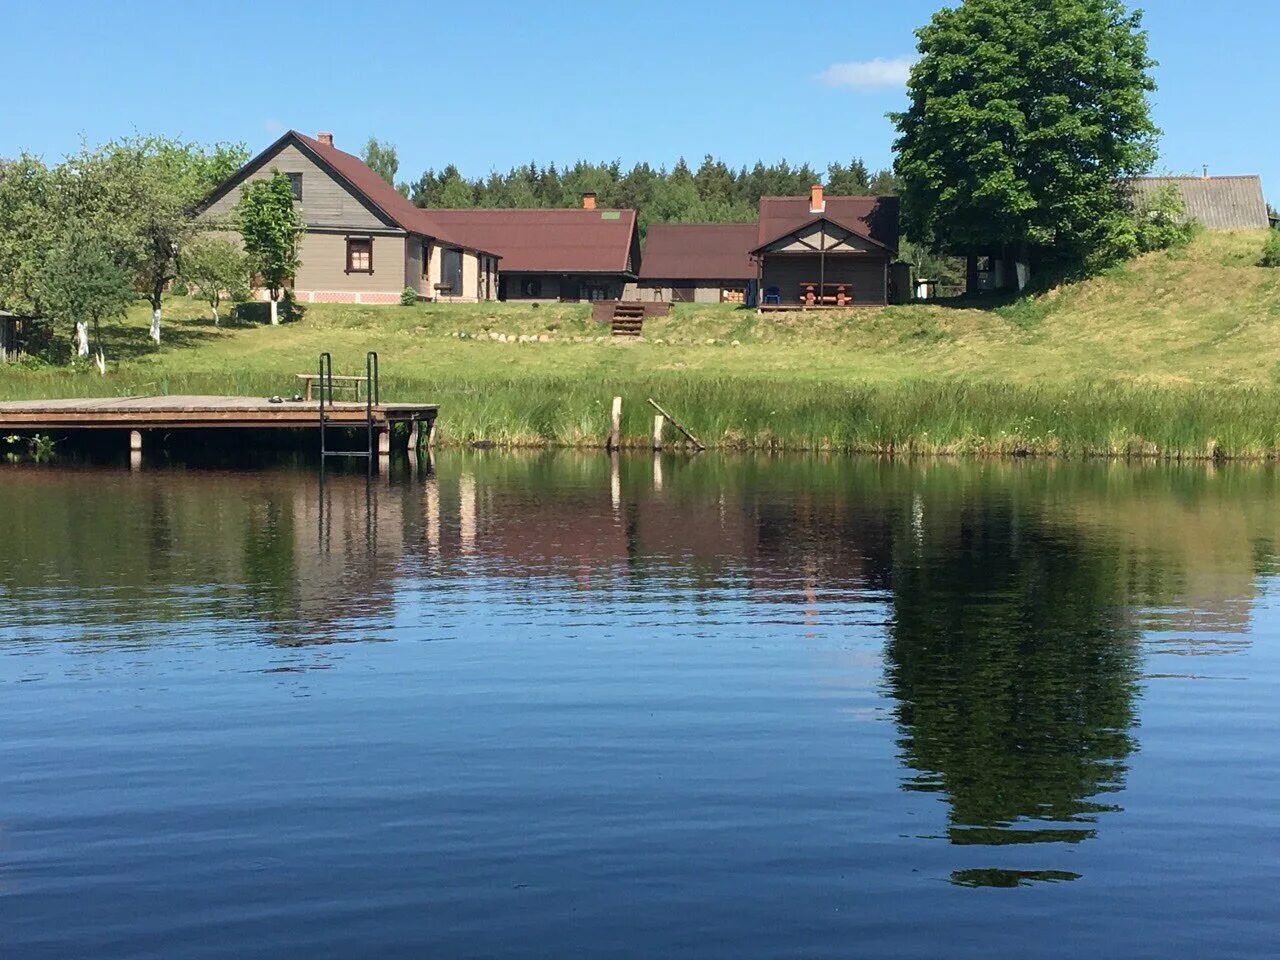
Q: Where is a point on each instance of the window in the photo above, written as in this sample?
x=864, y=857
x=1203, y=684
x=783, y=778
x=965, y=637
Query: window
x=359, y=255
x=295, y=179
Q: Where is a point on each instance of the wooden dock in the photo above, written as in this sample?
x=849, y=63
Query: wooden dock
x=136, y=414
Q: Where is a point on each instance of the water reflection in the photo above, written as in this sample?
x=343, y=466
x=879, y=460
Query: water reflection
x=1014, y=609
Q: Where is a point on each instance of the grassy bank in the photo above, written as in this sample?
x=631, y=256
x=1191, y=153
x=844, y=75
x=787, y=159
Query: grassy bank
x=1176, y=355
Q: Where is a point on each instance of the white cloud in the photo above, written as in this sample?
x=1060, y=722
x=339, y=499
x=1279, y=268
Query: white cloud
x=868, y=74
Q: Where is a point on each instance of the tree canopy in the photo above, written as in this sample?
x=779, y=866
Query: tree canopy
x=381, y=159
x=1025, y=118
x=714, y=192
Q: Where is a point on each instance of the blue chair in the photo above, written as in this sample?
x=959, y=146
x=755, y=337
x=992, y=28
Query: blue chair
x=773, y=295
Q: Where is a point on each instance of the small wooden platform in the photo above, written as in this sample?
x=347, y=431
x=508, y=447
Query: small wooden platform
x=136, y=414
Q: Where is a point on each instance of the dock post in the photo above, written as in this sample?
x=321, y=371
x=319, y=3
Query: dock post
x=384, y=441
x=659, y=422
x=135, y=449
x=615, y=431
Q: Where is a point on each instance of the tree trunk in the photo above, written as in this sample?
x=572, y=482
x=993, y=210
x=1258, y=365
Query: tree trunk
x=216, y=321
x=275, y=313
x=157, y=293
x=101, y=360
x=82, y=339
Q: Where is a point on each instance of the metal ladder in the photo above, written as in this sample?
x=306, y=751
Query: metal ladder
x=370, y=400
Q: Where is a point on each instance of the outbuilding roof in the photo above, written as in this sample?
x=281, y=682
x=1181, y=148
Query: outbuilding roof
x=699, y=251
x=876, y=218
x=1219, y=203
x=547, y=240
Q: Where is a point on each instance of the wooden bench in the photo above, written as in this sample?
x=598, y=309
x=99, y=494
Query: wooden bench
x=813, y=294
x=344, y=383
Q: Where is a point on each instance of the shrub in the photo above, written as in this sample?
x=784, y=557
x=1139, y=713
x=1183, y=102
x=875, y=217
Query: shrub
x=408, y=297
x=1271, y=250
x=1161, y=221
x=290, y=309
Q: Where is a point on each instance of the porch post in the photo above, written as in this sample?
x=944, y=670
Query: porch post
x=822, y=265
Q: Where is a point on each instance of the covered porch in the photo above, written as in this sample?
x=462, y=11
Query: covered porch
x=822, y=266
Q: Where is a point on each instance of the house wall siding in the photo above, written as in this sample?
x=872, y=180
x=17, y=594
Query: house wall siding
x=324, y=265
x=325, y=201
x=866, y=275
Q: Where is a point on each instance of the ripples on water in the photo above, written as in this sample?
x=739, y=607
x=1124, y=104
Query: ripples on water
x=542, y=706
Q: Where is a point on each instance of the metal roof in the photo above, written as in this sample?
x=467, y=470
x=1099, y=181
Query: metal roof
x=1219, y=203
x=699, y=251
x=546, y=240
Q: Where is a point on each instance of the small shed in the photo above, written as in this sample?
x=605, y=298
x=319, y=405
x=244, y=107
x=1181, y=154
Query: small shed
x=12, y=335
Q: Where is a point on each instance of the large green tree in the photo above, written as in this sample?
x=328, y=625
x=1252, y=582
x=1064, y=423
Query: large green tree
x=272, y=231
x=1025, y=118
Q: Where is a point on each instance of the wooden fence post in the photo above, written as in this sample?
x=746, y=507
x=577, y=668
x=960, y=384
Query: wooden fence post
x=659, y=422
x=615, y=433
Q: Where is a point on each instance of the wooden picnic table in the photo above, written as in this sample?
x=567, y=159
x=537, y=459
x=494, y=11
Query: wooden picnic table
x=813, y=293
x=346, y=383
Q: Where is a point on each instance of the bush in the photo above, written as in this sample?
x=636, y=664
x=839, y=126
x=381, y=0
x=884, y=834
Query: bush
x=1161, y=221
x=252, y=311
x=290, y=310
x=1271, y=250
x=408, y=297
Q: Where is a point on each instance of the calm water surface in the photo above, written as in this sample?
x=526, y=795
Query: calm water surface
x=542, y=706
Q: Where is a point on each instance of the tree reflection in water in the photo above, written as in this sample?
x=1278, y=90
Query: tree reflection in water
x=1014, y=665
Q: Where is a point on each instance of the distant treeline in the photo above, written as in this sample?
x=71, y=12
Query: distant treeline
x=714, y=193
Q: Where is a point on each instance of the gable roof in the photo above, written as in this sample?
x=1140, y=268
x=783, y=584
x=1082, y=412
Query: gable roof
x=873, y=218
x=699, y=251
x=380, y=197
x=547, y=240
x=1219, y=203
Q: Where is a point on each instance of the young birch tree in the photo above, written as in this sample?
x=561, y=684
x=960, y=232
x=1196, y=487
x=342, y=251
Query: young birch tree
x=82, y=283
x=272, y=232
x=215, y=269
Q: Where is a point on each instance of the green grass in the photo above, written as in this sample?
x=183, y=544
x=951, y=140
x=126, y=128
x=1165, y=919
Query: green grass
x=1173, y=355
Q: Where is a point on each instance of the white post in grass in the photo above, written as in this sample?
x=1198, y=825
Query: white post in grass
x=615, y=432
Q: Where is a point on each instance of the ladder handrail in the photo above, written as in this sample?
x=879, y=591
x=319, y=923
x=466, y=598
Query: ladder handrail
x=371, y=400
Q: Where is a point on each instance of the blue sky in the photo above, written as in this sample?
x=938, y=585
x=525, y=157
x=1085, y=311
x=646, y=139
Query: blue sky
x=494, y=84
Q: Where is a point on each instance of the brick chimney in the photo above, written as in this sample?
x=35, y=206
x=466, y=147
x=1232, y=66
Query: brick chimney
x=325, y=138
x=588, y=201
x=816, y=203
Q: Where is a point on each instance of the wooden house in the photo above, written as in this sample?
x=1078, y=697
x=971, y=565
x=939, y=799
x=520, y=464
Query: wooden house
x=364, y=241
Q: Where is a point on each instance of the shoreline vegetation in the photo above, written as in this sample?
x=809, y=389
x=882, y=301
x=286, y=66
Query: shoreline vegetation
x=1172, y=356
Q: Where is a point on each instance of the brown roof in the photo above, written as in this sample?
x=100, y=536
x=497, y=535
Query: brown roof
x=699, y=251
x=1218, y=203
x=383, y=195
x=875, y=218
x=382, y=198
x=547, y=241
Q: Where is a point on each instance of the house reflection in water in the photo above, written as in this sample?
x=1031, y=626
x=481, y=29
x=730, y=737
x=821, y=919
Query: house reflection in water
x=1017, y=602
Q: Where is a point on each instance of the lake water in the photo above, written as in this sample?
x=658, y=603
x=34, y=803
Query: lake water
x=550, y=706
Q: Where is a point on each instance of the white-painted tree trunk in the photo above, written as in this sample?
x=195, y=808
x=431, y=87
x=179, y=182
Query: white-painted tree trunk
x=82, y=339
x=101, y=360
x=155, y=325
x=216, y=320
x=275, y=313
